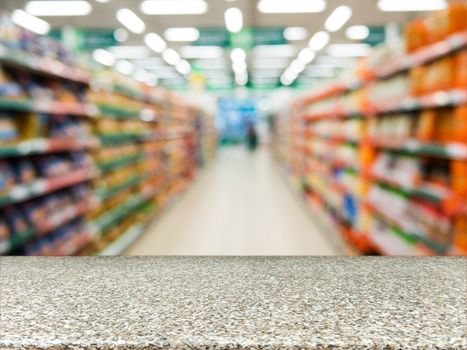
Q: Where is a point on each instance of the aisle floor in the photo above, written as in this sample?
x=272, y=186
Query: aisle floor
x=239, y=205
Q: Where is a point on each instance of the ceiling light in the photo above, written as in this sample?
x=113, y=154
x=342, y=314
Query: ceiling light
x=58, y=8
x=357, y=32
x=274, y=51
x=319, y=40
x=124, y=67
x=320, y=72
x=131, y=21
x=174, y=7
x=411, y=5
x=155, y=42
x=233, y=20
x=201, y=51
x=103, y=1
x=171, y=56
x=270, y=63
x=239, y=66
x=120, y=35
x=141, y=75
x=131, y=52
x=183, y=67
x=241, y=79
x=295, y=33
x=291, y=6
x=210, y=64
x=338, y=18
x=306, y=55
x=238, y=55
x=181, y=34
x=296, y=66
x=150, y=63
x=103, y=57
x=348, y=50
x=30, y=22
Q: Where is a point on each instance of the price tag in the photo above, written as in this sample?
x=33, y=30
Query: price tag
x=412, y=145
x=19, y=192
x=456, y=150
x=39, y=187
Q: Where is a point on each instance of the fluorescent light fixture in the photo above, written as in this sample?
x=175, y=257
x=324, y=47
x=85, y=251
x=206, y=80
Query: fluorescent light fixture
x=239, y=66
x=30, y=22
x=182, y=34
x=411, y=5
x=306, y=55
x=171, y=56
x=348, y=50
x=291, y=6
x=297, y=67
x=174, y=7
x=238, y=55
x=320, y=72
x=274, y=51
x=131, y=21
x=337, y=62
x=210, y=64
x=130, y=52
x=103, y=1
x=267, y=73
x=319, y=40
x=338, y=18
x=183, y=67
x=141, y=75
x=270, y=63
x=124, y=67
x=202, y=51
x=155, y=42
x=295, y=33
x=357, y=32
x=241, y=79
x=58, y=8
x=103, y=57
x=233, y=20
x=120, y=35
x=149, y=62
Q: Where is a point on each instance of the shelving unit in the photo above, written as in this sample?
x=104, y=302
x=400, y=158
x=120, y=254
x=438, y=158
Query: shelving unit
x=384, y=154
x=102, y=154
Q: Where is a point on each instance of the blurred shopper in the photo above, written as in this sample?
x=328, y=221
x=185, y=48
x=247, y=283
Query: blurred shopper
x=251, y=137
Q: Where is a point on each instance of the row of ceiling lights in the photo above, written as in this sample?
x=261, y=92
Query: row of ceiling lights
x=233, y=21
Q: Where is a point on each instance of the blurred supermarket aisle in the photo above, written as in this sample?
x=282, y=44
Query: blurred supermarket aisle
x=240, y=205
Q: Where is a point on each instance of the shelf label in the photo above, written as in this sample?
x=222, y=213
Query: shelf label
x=19, y=192
x=456, y=150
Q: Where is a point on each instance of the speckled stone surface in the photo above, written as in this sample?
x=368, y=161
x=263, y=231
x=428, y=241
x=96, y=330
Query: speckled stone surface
x=233, y=302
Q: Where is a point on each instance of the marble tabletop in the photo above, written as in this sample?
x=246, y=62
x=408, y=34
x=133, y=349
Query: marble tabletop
x=233, y=302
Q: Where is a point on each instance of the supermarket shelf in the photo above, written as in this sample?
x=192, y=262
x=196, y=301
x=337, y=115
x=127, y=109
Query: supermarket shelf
x=453, y=97
x=113, y=216
x=452, y=150
x=117, y=111
x=44, y=145
x=62, y=217
x=435, y=195
x=42, y=65
x=423, y=55
x=431, y=246
x=15, y=241
x=121, y=162
x=397, y=65
x=116, y=138
x=39, y=187
x=118, y=246
x=104, y=193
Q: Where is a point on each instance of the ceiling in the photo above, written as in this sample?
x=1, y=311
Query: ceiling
x=365, y=12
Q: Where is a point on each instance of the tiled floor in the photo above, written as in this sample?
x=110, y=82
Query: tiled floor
x=239, y=205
